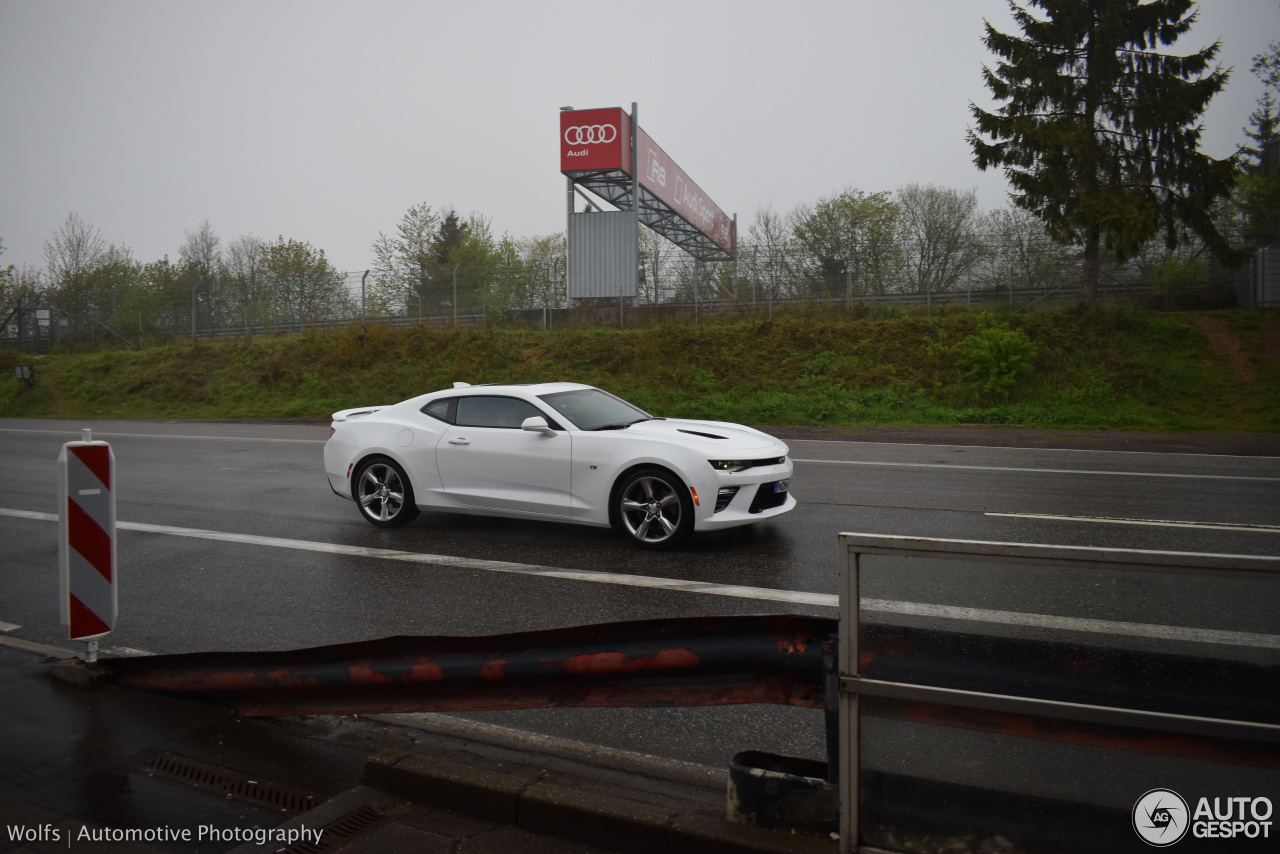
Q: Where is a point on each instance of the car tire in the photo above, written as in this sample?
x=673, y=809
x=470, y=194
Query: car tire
x=383, y=493
x=653, y=508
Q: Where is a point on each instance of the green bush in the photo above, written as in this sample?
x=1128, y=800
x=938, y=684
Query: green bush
x=995, y=357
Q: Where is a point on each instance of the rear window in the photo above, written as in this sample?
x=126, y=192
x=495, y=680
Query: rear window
x=441, y=409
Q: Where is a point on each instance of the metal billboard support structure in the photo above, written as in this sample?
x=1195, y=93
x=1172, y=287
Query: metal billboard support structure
x=616, y=178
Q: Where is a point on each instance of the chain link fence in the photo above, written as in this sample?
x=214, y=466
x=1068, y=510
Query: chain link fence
x=767, y=281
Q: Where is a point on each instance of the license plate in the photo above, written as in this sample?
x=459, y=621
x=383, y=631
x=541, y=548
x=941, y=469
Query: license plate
x=781, y=486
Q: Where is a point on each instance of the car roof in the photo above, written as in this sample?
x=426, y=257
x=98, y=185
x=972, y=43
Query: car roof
x=527, y=388
x=496, y=388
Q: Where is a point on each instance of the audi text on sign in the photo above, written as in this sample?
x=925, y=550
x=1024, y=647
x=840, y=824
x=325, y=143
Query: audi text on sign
x=595, y=140
x=661, y=176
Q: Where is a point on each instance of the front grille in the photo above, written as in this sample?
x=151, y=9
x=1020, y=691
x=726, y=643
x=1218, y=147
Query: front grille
x=767, y=499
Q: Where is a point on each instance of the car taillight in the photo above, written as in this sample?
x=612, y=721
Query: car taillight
x=332, y=430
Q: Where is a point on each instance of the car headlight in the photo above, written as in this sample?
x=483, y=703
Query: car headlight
x=733, y=466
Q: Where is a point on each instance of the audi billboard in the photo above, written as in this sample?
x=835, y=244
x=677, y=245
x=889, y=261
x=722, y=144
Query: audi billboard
x=600, y=141
x=595, y=140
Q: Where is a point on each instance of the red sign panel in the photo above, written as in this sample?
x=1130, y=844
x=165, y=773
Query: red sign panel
x=661, y=176
x=595, y=140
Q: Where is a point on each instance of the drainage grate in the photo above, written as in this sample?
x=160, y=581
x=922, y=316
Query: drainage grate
x=233, y=784
x=340, y=832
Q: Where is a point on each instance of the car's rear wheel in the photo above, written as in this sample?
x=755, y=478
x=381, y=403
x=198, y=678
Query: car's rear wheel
x=383, y=493
x=654, y=508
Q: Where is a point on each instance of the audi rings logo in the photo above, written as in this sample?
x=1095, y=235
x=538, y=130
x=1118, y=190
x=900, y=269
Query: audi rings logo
x=590, y=134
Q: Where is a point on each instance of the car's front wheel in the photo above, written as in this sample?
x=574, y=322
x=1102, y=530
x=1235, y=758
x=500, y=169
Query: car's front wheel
x=654, y=508
x=383, y=494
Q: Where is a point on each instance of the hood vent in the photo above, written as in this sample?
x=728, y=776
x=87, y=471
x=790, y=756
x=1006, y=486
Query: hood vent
x=703, y=435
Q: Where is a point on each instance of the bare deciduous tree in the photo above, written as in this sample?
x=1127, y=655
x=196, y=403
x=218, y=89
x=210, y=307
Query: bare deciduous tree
x=940, y=235
x=769, y=262
x=404, y=262
x=243, y=265
x=75, y=248
x=1020, y=253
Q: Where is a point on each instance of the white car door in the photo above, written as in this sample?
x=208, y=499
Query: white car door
x=486, y=460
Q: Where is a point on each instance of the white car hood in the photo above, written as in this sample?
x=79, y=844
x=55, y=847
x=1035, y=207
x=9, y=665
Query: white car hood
x=726, y=441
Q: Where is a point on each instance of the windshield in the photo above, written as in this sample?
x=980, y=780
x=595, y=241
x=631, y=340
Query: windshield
x=593, y=409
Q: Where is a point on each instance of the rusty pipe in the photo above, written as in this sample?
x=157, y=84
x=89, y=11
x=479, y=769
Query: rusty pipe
x=697, y=661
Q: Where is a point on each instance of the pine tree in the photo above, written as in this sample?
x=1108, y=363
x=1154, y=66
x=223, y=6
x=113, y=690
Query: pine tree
x=1259, y=185
x=1099, y=133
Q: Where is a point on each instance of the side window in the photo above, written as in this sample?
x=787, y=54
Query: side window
x=493, y=412
x=441, y=409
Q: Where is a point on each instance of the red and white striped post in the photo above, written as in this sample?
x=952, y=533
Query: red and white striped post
x=87, y=540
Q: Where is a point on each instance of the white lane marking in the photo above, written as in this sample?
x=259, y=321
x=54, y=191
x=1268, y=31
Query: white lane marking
x=828, y=600
x=1030, y=448
x=762, y=593
x=8, y=627
x=1158, y=523
x=1041, y=471
x=38, y=648
x=105, y=435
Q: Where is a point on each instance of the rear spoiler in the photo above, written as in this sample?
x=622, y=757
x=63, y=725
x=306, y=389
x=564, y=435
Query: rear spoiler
x=348, y=414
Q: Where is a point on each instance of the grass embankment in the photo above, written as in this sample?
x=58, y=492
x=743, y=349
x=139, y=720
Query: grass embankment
x=1112, y=368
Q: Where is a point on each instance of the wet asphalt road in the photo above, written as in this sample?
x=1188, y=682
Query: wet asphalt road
x=182, y=593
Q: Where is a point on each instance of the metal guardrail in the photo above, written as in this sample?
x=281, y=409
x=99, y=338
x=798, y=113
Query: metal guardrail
x=1038, y=694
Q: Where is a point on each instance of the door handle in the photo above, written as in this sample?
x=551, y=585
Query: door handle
x=459, y=442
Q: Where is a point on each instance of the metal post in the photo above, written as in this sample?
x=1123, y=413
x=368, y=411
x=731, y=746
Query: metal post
x=697, y=274
x=193, y=309
x=735, y=257
x=755, y=274
x=22, y=342
x=555, y=277
x=569, y=215
x=362, y=281
x=455, y=297
x=635, y=204
x=848, y=710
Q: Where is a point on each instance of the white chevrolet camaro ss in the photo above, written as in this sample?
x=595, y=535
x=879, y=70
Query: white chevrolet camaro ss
x=560, y=452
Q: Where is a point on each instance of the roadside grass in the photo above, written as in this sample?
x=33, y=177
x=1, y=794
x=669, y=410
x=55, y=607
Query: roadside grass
x=1114, y=367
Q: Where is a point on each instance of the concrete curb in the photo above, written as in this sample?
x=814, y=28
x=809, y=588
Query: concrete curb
x=540, y=802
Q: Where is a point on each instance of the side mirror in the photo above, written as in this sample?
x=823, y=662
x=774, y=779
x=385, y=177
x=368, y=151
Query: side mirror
x=537, y=424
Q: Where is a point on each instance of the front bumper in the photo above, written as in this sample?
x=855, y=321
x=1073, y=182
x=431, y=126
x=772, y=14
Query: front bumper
x=753, y=501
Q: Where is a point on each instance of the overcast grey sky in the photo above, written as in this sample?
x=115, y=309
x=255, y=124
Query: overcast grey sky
x=326, y=121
